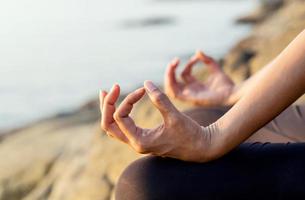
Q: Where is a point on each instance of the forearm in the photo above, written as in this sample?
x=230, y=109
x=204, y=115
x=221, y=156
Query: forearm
x=276, y=88
x=239, y=90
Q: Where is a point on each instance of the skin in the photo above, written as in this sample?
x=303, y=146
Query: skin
x=218, y=90
x=257, y=102
x=168, y=139
x=215, y=91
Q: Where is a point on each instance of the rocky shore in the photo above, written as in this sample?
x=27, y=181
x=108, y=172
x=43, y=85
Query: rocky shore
x=67, y=157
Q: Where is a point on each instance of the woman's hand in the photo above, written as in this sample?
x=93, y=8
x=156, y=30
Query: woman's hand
x=178, y=137
x=215, y=91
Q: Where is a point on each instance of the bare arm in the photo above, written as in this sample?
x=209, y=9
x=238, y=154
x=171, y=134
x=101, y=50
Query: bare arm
x=239, y=90
x=217, y=90
x=178, y=136
x=274, y=89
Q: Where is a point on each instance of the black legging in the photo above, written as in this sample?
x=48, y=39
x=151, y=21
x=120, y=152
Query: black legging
x=251, y=171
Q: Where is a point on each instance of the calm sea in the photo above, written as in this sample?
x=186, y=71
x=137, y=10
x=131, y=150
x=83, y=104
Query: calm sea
x=55, y=55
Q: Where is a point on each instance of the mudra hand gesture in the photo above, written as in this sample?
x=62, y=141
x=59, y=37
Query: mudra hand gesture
x=182, y=138
x=215, y=91
x=178, y=136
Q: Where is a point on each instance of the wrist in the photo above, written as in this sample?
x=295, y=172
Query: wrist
x=210, y=148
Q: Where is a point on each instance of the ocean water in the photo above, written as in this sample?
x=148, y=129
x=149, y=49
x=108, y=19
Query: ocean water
x=55, y=55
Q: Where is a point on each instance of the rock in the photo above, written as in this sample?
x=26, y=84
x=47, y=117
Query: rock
x=267, y=8
x=29, y=157
x=266, y=41
x=67, y=156
x=272, y=5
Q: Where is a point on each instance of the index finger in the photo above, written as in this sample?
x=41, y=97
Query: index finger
x=122, y=118
x=186, y=73
x=212, y=65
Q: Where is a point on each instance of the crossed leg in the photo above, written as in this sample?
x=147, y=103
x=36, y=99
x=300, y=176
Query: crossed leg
x=256, y=169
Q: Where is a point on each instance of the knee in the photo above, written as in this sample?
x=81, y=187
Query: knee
x=136, y=180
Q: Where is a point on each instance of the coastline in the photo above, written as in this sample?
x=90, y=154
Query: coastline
x=83, y=54
x=67, y=157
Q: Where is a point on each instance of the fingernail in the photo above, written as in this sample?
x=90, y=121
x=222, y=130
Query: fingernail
x=113, y=86
x=150, y=86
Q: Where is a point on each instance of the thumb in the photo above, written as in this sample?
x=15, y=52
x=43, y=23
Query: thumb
x=159, y=99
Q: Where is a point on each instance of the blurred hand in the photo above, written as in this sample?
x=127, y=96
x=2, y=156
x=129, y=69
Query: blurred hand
x=215, y=91
x=178, y=137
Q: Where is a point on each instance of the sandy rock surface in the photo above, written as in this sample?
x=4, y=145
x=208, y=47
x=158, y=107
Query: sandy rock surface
x=67, y=157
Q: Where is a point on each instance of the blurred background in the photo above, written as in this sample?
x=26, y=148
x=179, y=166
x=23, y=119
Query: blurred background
x=56, y=55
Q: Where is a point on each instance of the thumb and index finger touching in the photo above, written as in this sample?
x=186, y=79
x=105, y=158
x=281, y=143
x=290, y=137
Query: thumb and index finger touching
x=212, y=66
x=117, y=120
x=160, y=100
x=172, y=86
